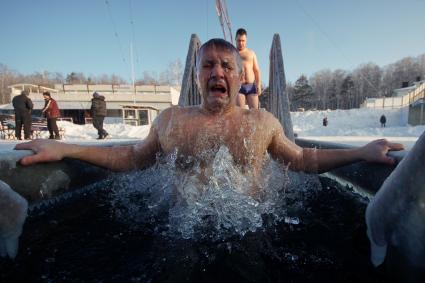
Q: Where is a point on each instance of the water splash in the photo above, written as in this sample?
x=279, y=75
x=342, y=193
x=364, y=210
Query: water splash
x=213, y=202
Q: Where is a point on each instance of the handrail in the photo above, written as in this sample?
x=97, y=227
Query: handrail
x=396, y=102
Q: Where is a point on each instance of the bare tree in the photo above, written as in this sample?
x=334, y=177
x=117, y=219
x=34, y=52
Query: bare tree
x=7, y=77
x=174, y=73
x=147, y=79
x=367, y=81
x=405, y=70
x=338, y=78
x=76, y=78
x=321, y=82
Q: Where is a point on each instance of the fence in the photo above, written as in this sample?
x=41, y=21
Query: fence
x=396, y=102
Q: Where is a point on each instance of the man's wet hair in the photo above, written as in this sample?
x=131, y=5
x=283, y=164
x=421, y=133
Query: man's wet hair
x=241, y=32
x=223, y=44
x=46, y=93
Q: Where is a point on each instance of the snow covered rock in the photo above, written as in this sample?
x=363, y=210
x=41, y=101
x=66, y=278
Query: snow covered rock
x=13, y=212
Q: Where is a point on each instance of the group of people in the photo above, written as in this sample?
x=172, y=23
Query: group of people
x=23, y=107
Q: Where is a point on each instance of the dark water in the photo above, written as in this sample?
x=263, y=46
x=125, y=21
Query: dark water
x=79, y=240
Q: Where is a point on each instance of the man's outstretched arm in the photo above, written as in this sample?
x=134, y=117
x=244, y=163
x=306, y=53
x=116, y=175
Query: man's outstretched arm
x=375, y=151
x=117, y=158
x=322, y=160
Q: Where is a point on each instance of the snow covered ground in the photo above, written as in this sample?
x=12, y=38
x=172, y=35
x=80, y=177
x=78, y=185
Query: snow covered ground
x=355, y=127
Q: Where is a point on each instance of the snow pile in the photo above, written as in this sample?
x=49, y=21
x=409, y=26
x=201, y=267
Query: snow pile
x=116, y=131
x=354, y=122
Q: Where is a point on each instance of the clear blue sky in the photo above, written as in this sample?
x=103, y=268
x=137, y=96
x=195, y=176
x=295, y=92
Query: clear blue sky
x=79, y=35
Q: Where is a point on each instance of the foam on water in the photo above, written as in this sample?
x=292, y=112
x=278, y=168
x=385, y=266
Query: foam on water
x=180, y=203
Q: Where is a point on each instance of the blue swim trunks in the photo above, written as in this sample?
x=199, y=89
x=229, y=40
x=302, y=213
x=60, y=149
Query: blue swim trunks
x=248, y=89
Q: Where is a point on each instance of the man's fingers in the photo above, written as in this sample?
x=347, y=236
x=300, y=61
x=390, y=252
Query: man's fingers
x=31, y=159
x=24, y=145
x=395, y=146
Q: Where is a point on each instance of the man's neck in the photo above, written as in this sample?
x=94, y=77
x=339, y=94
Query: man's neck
x=217, y=111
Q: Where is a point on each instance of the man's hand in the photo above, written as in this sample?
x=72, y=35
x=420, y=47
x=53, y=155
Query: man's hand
x=376, y=151
x=45, y=151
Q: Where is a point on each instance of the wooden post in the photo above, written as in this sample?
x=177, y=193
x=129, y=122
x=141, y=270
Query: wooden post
x=189, y=94
x=421, y=121
x=278, y=97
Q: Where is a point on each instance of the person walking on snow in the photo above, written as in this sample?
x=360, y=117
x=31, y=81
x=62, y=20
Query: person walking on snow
x=383, y=120
x=52, y=113
x=98, y=113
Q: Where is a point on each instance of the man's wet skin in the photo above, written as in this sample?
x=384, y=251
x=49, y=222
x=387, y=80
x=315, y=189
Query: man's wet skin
x=247, y=57
x=197, y=133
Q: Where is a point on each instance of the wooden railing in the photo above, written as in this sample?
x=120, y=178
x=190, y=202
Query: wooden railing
x=396, y=102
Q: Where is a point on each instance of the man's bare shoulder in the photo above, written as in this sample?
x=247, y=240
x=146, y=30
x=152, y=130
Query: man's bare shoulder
x=178, y=110
x=247, y=53
x=174, y=113
x=261, y=116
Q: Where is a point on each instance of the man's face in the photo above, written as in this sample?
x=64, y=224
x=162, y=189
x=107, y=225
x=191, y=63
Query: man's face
x=218, y=78
x=45, y=97
x=241, y=42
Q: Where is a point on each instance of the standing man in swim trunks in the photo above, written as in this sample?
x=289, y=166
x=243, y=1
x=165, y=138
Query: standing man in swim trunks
x=251, y=80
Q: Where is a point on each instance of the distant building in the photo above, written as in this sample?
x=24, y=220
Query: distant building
x=402, y=97
x=411, y=98
x=405, y=89
x=74, y=100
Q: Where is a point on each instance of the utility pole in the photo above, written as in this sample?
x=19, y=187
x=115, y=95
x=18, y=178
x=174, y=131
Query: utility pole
x=221, y=8
x=132, y=72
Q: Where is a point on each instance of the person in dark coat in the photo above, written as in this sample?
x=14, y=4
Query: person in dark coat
x=383, y=120
x=325, y=121
x=23, y=106
x=98, y=113
x=52, y=113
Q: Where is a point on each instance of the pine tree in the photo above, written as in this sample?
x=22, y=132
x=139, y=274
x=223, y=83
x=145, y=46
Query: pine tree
x=303, y=96
x=332, y=95
x=347, y=93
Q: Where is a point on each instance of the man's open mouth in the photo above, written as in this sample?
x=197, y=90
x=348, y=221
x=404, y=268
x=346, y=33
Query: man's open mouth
x=219, y=89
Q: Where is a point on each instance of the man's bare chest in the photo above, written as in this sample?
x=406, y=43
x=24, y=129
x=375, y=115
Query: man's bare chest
x=246, y=57
x=203, y=140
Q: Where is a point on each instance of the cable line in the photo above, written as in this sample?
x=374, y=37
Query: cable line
x=116, y=34
x=333, y=43
x=133, y=33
